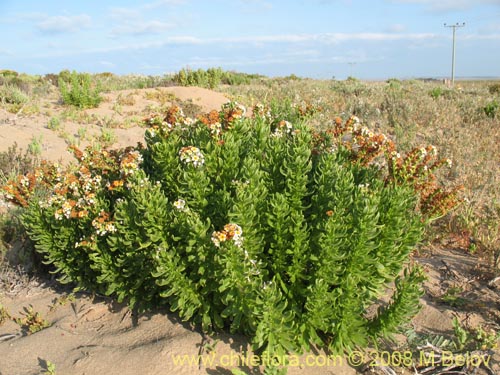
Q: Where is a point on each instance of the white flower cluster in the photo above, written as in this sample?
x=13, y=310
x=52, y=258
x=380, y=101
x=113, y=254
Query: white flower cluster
x=130, y=163
x=191, y=155
x=284, y=127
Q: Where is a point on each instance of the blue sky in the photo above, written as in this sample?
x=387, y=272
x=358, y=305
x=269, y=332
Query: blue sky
x=375, y=39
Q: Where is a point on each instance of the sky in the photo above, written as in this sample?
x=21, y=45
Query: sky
x=326, y=39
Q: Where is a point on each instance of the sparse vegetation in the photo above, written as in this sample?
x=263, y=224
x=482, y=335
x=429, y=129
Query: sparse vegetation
x=32, y=321
x=457, y=121
x=407, y=112
x=107, y=137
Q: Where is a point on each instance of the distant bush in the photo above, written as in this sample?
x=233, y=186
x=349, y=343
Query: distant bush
x=494, y=88
x=77, y=90
x=236, y=78
x=212, y=77
x=8, y=73
x=351, y=86
x=12, y=94
x=52, y=79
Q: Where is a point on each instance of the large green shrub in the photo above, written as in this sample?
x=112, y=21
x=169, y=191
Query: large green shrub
x=254, y=225
x=78, y=90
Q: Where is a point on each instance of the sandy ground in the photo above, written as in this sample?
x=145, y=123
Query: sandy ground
x=93, y=335
x=113, y=115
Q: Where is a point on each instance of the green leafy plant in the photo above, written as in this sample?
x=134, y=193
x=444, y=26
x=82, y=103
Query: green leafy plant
x=491, y=109
x=436, y=92
x=48, y=367
x=452, y=297
x=78, y=90
x=35, y=146
x=107, y=136
x=255, y=225
x=51, y=368
x=62, y=301
x=32, y=321
x=54, y=123
x=470, y=338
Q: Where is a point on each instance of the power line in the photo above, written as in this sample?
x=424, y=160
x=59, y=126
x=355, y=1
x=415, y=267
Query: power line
x=454, y=27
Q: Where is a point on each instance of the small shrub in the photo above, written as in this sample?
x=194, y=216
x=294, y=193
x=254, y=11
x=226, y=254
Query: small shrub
x=49, y=368
x=436, y=92
x=7, y=73
x=54, y=123
x=491, y=109
x=236, y=78
x=126, y=100
x=32, y=321
x=35, y=146
x=14, y=162
x=80, y=92
x=10, y=94
x=107, y=136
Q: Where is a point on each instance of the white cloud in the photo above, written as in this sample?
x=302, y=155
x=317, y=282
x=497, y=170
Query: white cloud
x=141, y=28
x=6, y=52
x=396, y=28
x=124, y=13
x=160, y=3
x=449, y=5
x=328, y=38
x=251, y=6
x=64, y=24
x=481, y=37
x=305, y=41
x=107, y=64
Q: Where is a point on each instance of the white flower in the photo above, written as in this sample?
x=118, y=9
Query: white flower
x=180, y=204
x=423, y=152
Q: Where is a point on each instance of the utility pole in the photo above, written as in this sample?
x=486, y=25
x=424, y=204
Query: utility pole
x=454, y=27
